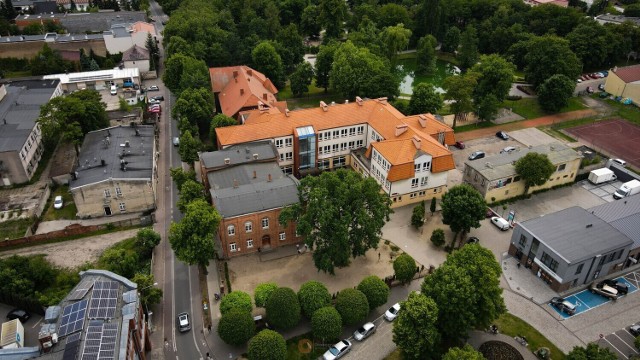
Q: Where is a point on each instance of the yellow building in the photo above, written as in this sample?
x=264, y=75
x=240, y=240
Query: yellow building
x=624, y=82
x=496, y=179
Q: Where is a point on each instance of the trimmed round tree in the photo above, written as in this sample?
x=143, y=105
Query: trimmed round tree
x=437, y=237
x=404, y=267
x=236, y=327
x=236, y=300
x=352, y=305
x=267, y=345
x=262, y=293
x=326, y=324
x=376, y=291
x=313, y=295
x=283, y=309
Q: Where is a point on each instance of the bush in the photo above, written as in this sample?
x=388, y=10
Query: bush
x=283, y=309
x=352, y=305
x=267, y=345
x=636, y=342
x=513, y=97
x=417, y=217
x=404, y=267
x=236, y=300
x=326, y=324
x=437, y=237
x=432, y=208
x=313, y=295
x=376, y=291
x=236, y=327
x=226, y=277
x=146, y=240
x=262, y=293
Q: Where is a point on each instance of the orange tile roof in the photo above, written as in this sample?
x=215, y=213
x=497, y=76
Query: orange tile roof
x=241, y=87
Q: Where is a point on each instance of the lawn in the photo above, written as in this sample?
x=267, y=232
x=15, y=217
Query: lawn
x=286, y=94
x=294, y=345
x=514, y=326
x=530, y=109
x=68, y=210
x=475, y=126
x=13, y=229
x=629, y=112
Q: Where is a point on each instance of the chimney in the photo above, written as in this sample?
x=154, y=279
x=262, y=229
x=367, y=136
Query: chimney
x=235, y=74
x=250, y=72
x=359, y=100
x=286, y=112
x=235, y=183
x=382, y=100
x=241, y=92
x=264, y=96
x=417, y=142
x=423, y=121
x=401, y=129
x=254, y=174
x=227, y=161
x=269, y=178
x=324, y=106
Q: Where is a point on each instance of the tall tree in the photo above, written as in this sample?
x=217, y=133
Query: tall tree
x=309, y=23
x=424, y=100
x=352, y=305
x=190, y=191
x=149, y=293
x=415, y=331
x=468, y=54
x=324, y=62
x=192, y=237
x=48, y=61
x=451, y=40
x=591, y=352
x=290, y=47
x=196, y=105
x=535, y=169
x=555, y=92
x=326, y=324
x=391, y=15
x=430, y=11
x=333, y=13
x=593, y=44
x=267, y=60
x=262, y=293
x=283, y=309
x=340, y=215
x=313, y=295
x=301, y=79
x=236, y=327
x=183, y=72
x=549, y=55
x=404, y=268
x=462, y=209
x=376, y=291
x=459, y=90
x=494, y=77
x=189, y=147
x=426, y=55
x=395, y=39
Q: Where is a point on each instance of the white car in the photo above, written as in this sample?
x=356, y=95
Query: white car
x=392, y=313
x=508, y=150
x=153, y=88
x=338, y=350
x=501, y=223
x=57, y=202
x=183, y=322
x=620, y=162
x=364, y=331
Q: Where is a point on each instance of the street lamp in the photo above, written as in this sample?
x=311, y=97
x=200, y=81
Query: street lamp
x=145, y=305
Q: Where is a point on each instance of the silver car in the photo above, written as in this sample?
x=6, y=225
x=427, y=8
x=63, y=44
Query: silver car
x=392, y=313
x=338, y=350
x=364, y=331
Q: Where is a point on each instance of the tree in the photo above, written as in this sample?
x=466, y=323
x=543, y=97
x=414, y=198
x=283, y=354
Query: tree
x=593, y=44
x=267, y=345
x=333, y=13
x=555, y=92
x=426, y=55
x=632, y=10
x=236, y=300
x=376, y=291
x=185, y=72
x=283, y=309
x=437, y=237
x=236, y=326
x=487, y=107
x=324, y=62
x=459, y=90
x=467, y=352
x=312, y=296
x=395, y=39
x=468, y=48
x=189, y=147
x=535, y=169
x=267, y=60
x=417, y=216
x=591, y=352
x=196, y=105
x=352, y=305
x=146, y=240
x=309, y=24
x=48, y=61
x=301, y=79
x=290, y=47
x=192, y=237
x=404, y=268
x=462, y=209
x=190, y=190
x=451, y=40
x=149, y=293
x=432, y=208
x=424, y=100
x=326, y=324
x=494, y=79
x=154, y=51
x=340, y=214
x=218, y=121
x=414, y=330
x=392, y=14
x=262, y=293
x=549, y=55
x=180, y=176
x=120, y=261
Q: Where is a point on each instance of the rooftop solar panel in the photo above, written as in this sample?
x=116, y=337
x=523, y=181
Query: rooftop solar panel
x=104, y=299
x=100, y=341
x=72, y=318
x=81, y=290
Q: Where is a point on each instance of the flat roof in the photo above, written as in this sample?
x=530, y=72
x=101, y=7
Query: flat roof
x=112, y=74
x=109, y=145
x=576, y=234
x=624, y=215
x=19, y=110
x=240, y=154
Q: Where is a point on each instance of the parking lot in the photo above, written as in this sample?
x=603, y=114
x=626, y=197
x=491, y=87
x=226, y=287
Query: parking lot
x=604, y=191
x=31, y=327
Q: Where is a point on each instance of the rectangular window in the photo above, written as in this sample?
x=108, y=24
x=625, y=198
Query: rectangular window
x=282, y=235
x=288, y=170
x=22, y=155
x=373, y=135
x=327, y=149
x=414, y=182
x=423, y=181
x=233, y=247
x=320, y=136
x=231, y=230
x=343, y=146
x=579, y=269
x=289, y=155
x=321, y=150
x=339, y=161
x=352, y=144
x=416, y=167
x=288, y=142
x=549, y=261
x=523, y=240
x=426, y=166
x=248, y=227
x=412, y=195
x=327, y=135
x=282, y=157
x=324, y=164
x=279, y=143
x=122, y=207
x=359, y=143
x=107, y=193
x=118, y=192
x=360, y=130
x=336, y=134
x=352, y=131
x=334, y=147
x=250, y=243
x=343, y=132
x=422, y=193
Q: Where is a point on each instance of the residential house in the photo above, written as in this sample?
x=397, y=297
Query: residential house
x=407, y=155
x=249, y=190
x=624, y=82
x=20, y=137
x=569, y=248
x=116, y=172
x=495, y=177
x=136, y=57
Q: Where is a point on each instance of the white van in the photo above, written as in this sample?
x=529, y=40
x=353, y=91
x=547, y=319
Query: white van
x=114, y=90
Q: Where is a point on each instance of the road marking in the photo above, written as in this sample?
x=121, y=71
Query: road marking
x=624, y=342
x=36, y=324
x=195, y=342
x=618, y=350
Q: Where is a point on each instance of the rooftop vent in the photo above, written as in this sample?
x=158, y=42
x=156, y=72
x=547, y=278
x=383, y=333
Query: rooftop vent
x=401, y=129
x=422, y=120
x=255, y=156
x=324, y=106
x=286, y=112
x=417, y=142
x=227, y=161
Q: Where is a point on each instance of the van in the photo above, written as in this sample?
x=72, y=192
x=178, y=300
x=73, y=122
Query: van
x=620, y=162
x=114, y=90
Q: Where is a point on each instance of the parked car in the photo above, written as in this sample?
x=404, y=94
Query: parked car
x=605, y=290
x=392, y=313
x=590, y=90
x=502, y=135
x=158, y=98
x=508, y=150
x=338, y=350
x=579, y=80
x=593, y=76
x=183, y=322
x=364, y=331
x=605, y=73
x=113, y=90
x=623, y=288
x=620, y=162
x=459, y=145
x=473, y=240
x=563, y=305
x=153, y=88
x=501, y=223
x=601, y=87
x=20, y=314
x=176, y=141
x=635, y=330
x=57, y=202
x=154, y=101
x=476, y=155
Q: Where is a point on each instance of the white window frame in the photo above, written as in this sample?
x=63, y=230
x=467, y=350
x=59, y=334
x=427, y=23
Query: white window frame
x=265, y=220
x=288, y=142
x=414, y=182
x=249, y=243
x=289, y=155
x=336, y=134
x=352, y=131
x=282, y=236
x=360, y=130
x=279, y=143
x=233, y=247
x=248, y=227
x=360, y=143
x=424, y=180
x=107, y=193
x=123, y=207
x=343, y=132
x=231, y=230
x=118, y=191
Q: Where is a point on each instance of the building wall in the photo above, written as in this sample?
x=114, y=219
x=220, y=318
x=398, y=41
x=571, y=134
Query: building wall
x=241, y=236
x=136, y=195
x=121, y=44
x=29, y=49
x=96, y=84
x=632, y=91
x=614, y=85
x=142, y=65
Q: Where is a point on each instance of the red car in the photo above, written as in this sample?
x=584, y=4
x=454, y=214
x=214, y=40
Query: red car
x=459, y=145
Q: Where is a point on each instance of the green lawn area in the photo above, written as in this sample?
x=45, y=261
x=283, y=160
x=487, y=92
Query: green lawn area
x=68, y=210
x=13, y=229
x=629, y=112
x=530, y=109
x=293, y=348
x=286, y=94
x=514, y=326
x=469, y=127
x=15, y=74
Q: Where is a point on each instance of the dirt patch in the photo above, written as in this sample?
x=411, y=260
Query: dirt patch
x=73, y=253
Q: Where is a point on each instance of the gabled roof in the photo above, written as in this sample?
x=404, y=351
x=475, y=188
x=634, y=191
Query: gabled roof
x=241, y=87
x=628, y=74
x=135, y=53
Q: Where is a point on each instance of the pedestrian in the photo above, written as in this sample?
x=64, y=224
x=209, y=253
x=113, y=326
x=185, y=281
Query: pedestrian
x=378, y=257
x=209, y=328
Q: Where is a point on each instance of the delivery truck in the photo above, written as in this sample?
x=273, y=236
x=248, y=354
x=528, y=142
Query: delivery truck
x=12, y=335
x=599, y=176
x=627, y=189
